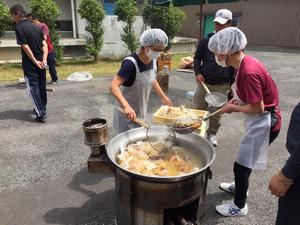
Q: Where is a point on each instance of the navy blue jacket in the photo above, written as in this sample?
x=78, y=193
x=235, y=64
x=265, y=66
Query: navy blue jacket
x=292, y=167
x=205, y=64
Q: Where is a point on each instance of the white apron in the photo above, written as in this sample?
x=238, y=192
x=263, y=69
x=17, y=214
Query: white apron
x=253, y=152
x=137, y=96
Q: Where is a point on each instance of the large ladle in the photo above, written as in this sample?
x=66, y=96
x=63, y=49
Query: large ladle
x=162, y=143
x=196, y=124
x=136, y=120
x=213, y=98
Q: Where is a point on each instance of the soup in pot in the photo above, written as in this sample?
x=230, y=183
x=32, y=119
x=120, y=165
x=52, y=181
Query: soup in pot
x=141, y=158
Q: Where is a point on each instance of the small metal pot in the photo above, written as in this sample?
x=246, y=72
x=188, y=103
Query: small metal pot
x=95, y=132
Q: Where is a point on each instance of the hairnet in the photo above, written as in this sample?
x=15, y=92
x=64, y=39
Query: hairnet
x=227, y=41
x=154, y=37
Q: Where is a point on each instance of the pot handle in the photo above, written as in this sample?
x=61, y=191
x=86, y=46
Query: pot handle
x=212, y=114
x=137, y=120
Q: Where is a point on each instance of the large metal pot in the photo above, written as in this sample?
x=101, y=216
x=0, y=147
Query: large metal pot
x=191, y=142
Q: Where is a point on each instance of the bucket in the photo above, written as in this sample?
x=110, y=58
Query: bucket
x=95, y=132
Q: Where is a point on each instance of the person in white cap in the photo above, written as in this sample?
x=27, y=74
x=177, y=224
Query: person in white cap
x=223, y=16
x=216, y=78
x=255, y=95
x=137, y=76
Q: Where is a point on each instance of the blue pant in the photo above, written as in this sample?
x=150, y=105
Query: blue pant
x=36, y=84
x=51, y=64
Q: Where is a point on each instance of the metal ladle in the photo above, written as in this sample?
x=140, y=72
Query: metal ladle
x=213, y=98
x=136, y=120
x=161, y=143
x=197, y=123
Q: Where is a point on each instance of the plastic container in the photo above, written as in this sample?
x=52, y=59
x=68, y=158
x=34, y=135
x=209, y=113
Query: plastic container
x=163, y=79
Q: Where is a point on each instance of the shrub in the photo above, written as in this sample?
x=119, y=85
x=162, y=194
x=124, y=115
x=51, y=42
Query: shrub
x=4, y=18
x=126, y=10
x=169, y=19
x=93, y=12
x=47, y=11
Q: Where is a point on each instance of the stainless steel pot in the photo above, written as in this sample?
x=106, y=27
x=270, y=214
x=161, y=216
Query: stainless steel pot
x=191, y=142
x=97, y=135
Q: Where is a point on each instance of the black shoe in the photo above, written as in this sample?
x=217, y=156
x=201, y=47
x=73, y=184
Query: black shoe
x=54, y=82
x=41, y=119
x=45, y=115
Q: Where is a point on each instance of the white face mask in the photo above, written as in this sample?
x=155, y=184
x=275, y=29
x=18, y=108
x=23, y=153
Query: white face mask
x=152, y=54
x=220, y=63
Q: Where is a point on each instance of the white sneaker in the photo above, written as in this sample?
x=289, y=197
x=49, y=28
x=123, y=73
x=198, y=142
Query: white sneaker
x=212, y=139
x=230, y=209
x=228, y=187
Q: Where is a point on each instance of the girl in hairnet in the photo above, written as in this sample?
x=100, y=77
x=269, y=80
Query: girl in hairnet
x=134, y=81
x=256, y=97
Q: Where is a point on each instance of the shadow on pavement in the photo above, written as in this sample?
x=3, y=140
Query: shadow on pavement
x=23, y=115
x=99, y=209
x=212, y=200
x=83, y=177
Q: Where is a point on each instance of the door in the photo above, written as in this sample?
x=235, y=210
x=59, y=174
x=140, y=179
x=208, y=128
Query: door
x=109, y=7
x=209, y=25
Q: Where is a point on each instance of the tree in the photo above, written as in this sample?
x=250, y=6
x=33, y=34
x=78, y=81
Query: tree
x=126, y=10
x=169, y=19
x=4, y=18
x=93, y=12
x=47, y=11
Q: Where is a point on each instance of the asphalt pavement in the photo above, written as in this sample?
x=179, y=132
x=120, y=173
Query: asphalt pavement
x=43, y=168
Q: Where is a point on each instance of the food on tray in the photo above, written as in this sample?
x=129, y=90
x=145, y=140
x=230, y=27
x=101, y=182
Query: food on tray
x=177, y=112
x=184, y=123
x=141, y=158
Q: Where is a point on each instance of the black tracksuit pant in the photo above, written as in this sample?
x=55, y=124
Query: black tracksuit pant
x=51, y=64
x=36, y=84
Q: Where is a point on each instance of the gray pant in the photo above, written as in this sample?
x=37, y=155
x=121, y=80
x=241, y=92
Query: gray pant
x=200, y=103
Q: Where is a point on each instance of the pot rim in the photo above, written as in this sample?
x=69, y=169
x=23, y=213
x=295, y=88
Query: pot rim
x=88, y=122
x=160, y=179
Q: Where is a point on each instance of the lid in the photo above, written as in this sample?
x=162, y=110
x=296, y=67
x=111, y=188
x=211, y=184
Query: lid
x=166, y=69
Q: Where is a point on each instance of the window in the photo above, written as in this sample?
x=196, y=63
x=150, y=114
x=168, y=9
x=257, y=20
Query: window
x=109, y=7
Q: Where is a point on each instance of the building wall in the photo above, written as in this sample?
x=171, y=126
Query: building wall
x=24, y=3
x=113, y=45
x=265, y=23
x=65, y=9
x=62, y=4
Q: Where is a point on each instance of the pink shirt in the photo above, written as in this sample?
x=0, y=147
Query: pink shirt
x=255, y=84
x=44, y=28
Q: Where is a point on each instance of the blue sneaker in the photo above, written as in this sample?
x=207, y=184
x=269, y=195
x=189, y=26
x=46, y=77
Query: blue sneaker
x=232, y=210
x=228, y=187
